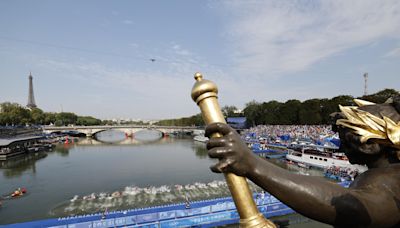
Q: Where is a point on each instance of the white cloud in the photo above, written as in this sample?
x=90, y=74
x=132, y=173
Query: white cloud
x=127, y=22
x=277, y=37
x=133, y=45
x=180, y=51
x=151, y=92
x=393, y=53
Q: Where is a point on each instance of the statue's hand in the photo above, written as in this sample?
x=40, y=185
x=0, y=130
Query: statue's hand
x=233, y=154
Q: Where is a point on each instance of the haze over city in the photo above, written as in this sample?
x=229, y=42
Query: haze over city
x=136, y=59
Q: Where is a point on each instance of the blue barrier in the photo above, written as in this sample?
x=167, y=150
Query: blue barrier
x=205, y=213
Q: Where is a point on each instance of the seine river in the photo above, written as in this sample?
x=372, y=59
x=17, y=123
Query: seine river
x=89, y=175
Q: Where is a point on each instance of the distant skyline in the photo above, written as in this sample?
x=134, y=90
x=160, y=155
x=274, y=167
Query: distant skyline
x=136, y=59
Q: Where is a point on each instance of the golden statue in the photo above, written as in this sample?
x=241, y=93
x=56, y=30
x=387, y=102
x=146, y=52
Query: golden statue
x=204, y=93
x=369, y=135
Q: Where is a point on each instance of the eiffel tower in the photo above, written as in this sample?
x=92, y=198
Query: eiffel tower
x=31, y=98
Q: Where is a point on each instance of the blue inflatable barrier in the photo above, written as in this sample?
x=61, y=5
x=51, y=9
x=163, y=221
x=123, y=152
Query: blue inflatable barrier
x=205, y=213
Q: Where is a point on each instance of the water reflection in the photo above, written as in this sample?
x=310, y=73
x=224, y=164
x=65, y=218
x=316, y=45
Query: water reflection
x=148, y=135
x=89, y=175
x=118, y=137
x=63, y=149
x=15, y=167
x=110, y=136
x=125, y=141
x=200, y=149
x=296, y=169
x=86, y=166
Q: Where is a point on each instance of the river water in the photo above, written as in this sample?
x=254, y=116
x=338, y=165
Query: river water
x=110, y=173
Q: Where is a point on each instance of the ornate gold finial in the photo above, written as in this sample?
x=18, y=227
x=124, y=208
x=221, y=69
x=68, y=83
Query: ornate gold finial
x=198, y=76
x=203, y=88
x=369, y=126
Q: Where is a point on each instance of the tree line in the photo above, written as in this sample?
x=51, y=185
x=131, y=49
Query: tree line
x=291, y=112
x=309, y=112
x=195, y=120
x=12, y=114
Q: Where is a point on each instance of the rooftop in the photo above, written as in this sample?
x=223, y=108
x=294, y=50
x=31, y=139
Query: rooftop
x=6, y=142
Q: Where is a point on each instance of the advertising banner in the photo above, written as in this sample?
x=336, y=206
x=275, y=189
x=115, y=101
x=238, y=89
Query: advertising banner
x=147, y=218
x=198, y=220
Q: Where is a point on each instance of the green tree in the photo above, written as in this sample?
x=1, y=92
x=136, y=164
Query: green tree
x=252, y=112
x=14, y=114
x=309, y=112
x=345, y=100
x=108, y=122
x=38, y=116
x=330, y=106
x=326, y=108
x=230, y=111
x=58, y=123
x=289, y=112
x=87, y=121
x=270, y=112
x=381, y=96
x=50, y=118
x=195, y=120
x=66, y=118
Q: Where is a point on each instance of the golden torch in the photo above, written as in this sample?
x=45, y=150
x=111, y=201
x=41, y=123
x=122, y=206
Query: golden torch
x=204, y=93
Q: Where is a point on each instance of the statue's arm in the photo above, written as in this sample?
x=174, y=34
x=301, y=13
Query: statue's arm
x=364, y=206
x=310, y=196
x=313, y=197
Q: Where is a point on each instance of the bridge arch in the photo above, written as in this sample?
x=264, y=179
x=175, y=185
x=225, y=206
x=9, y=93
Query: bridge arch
x=91, y=131
x=129, y=132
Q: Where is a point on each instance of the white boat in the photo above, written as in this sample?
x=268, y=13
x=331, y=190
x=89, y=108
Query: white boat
x=200, y=138
x=321, y=157
x=303, y=165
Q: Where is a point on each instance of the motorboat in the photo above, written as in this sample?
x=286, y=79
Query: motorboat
x=321, y=157
x=265, y=150
x=200, y=138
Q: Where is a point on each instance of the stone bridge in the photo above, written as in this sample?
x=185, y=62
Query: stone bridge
x=129, y=130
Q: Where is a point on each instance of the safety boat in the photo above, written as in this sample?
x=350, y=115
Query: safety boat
x=321, y=157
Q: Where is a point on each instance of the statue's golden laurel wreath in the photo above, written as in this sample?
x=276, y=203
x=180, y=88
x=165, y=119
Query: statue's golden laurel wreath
x=369, y=126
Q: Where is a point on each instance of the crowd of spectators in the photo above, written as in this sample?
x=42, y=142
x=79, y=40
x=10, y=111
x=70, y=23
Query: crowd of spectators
x=341, y=173
x=314, y=133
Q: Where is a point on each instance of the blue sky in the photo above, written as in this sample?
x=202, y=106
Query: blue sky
x=93, y=57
